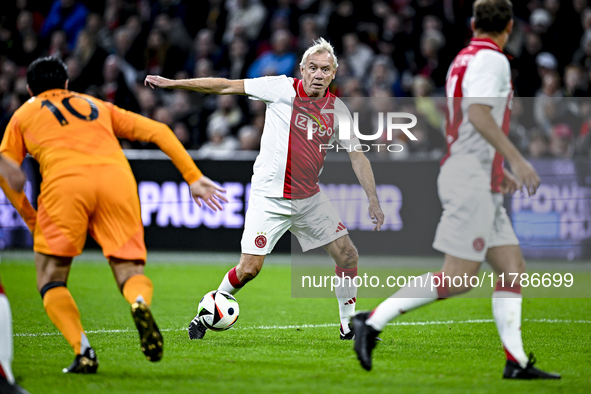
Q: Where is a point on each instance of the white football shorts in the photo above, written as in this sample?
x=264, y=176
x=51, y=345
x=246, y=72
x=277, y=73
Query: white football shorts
x=473, y=218
x=313, y=220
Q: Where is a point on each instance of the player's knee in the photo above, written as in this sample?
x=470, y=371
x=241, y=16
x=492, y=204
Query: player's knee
x=249, y=272
x=349, y=257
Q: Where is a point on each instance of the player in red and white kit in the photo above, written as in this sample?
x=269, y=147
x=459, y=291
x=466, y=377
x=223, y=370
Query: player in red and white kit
x=474, y=225
x=285, y=194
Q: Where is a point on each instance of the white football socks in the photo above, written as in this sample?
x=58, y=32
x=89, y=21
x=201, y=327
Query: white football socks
x=346, y=294
x=6, y=338
x=230, y=283
x=506, y=306
x=416, y=293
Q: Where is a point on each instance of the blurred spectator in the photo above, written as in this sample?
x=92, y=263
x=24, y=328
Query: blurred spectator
x=517, y=131
x=181, y=130
x=91, y=59
x=574, y=81
x=359, y=56
x=341, y=22
x=425, y=104
x=203, y=69
x=395, y=42
x=180, y=104
x=256, y=107
x=249, y=138
x=66, y=15
x=527, y=82
x=229, y=111
x=561, y=140
x=429, y=63
x=147, y=101
x=177, y=42
x=309, y=32
x=155, y=54
x=546, y=103
x=28, y=49
x=283, y=14
x=115, y=89
x=430, y=142
x=538, y=146
x=238, y=59
x=219, y=140
x=164, y=115
x=279, y=61
x=383, y=74
x=204, y=47
x=540, y=21
x=123, y=39
x=583, y=55
x=102, y=35
x=245, y=18
x=58, y=46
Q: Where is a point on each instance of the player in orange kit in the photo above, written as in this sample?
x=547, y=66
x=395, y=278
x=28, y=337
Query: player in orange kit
x=88, y=186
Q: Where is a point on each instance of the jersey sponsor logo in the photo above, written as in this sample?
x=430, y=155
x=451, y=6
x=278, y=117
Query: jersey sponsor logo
x=312, y=125
x=260, y=241
x=478, y=244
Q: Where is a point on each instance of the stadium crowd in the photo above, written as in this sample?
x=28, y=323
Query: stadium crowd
x=396, y=48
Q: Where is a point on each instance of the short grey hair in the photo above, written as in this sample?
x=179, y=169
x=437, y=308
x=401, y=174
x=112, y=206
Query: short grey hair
x=320, y=46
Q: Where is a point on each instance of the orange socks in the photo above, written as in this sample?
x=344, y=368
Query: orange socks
x=136, y=286
x=63, y=312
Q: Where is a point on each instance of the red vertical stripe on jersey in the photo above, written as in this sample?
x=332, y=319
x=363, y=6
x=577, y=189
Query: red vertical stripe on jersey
x=305, y=159
x=497, y=174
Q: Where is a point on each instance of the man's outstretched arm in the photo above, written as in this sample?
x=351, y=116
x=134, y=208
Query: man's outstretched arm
x=136, y=127
x=201, y=85
x=364, y=173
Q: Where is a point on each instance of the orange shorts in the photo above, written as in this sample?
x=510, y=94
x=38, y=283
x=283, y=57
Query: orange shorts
x=101, y=200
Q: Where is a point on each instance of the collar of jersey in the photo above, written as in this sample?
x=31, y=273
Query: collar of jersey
x=301, y=94
x=485, y=42
x=53, y=92
x=490, y=44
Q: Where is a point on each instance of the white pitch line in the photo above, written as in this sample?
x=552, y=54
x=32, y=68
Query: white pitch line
x=292, y=327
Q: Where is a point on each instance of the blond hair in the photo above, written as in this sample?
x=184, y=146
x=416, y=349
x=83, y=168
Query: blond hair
x=320, y=46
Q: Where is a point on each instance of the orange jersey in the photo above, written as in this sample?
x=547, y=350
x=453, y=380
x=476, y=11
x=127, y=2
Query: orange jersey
x=64, y=130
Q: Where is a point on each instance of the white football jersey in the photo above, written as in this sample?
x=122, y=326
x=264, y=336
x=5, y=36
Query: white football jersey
x=289, y=164
x=480, y=74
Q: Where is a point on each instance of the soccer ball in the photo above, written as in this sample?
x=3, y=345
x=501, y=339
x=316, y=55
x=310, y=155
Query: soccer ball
x=218, y=310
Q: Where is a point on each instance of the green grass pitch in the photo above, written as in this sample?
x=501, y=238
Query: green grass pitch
x=284, y=345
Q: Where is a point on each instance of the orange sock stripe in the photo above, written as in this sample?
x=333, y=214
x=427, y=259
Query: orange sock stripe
x=138, y=285
x=63, y=312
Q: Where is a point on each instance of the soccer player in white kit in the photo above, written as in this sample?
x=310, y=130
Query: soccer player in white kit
x=15, y=179
x=474, y=225
x=285, y=194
